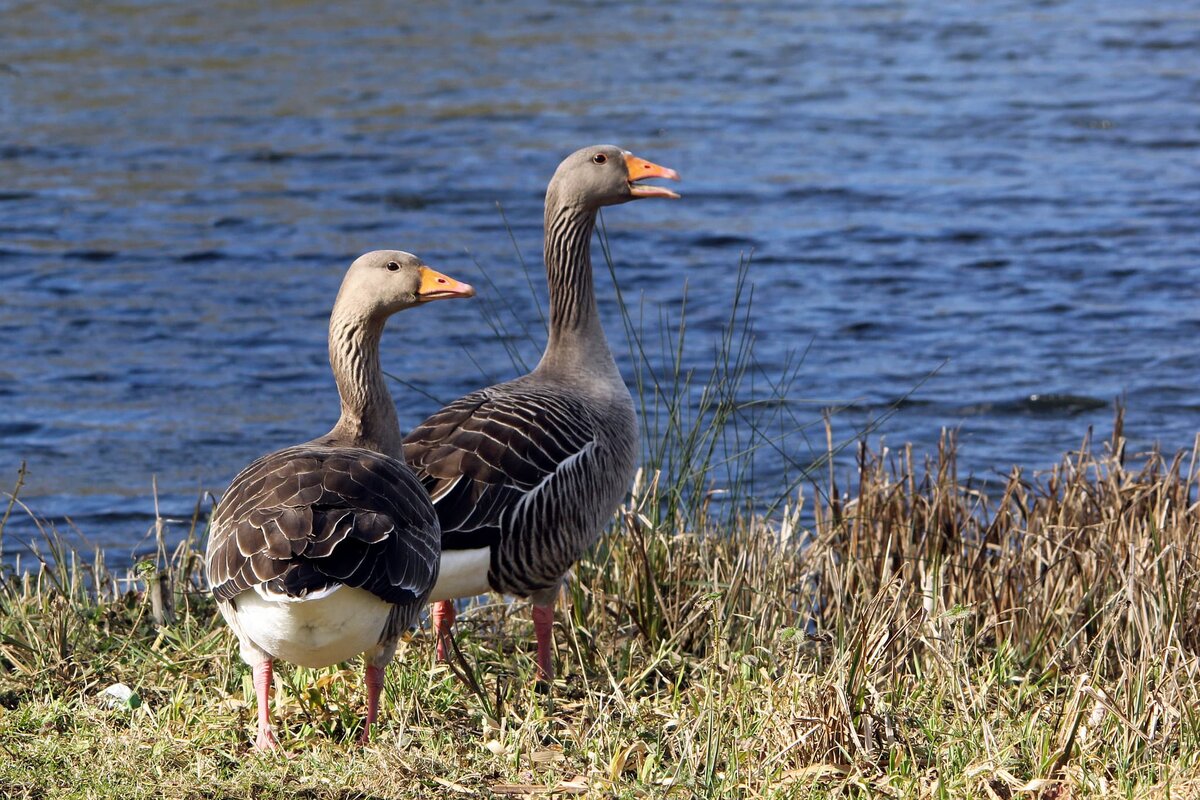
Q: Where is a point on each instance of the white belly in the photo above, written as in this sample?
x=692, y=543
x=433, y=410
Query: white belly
x=317, y=631
x=463, y=573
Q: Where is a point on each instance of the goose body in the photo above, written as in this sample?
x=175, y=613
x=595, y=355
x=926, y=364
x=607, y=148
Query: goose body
x=524, y=474
x=523, y=477
x=328, y=549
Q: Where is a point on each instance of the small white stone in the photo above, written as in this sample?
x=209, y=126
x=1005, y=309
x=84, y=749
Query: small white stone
x=120, y=696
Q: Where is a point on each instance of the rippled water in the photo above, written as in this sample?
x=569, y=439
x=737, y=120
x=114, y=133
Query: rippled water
x=989, y=209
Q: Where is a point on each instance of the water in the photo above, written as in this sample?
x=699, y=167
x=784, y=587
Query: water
x=988, y=209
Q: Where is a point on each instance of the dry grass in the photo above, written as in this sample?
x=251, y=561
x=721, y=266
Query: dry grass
x=916, y=636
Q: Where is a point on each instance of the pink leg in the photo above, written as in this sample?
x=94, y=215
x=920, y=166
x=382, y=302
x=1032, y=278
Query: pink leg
x=374, y=687
x=443, y=617
x=262, y=689
x=543, y=627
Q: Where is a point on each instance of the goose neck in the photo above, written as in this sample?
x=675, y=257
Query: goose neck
x=368, y=417
x=575, y=330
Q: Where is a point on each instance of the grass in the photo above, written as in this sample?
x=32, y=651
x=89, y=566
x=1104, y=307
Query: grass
x=920, y=636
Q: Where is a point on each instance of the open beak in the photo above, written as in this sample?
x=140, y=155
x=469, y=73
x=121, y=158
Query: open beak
x=640, y=169
x=436, y=286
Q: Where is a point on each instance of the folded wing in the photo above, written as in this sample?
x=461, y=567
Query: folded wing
x=307, y=518
x=488, y=457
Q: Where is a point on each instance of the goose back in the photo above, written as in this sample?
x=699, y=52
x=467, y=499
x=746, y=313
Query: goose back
x=303, y=519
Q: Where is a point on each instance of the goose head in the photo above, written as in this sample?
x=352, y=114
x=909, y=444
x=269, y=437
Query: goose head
x=605, y=175
x=382, y=282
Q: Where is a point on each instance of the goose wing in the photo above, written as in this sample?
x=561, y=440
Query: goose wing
x=307, y=518
x=506, y=449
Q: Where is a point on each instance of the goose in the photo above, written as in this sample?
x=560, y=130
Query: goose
x=524, y=474
x=328, y=549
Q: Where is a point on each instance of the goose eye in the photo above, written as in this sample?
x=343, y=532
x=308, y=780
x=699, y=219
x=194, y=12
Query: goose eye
x=392, y=266
x=599, y=158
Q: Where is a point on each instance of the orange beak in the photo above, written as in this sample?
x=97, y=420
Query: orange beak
x=640, y=169
x=436, y=286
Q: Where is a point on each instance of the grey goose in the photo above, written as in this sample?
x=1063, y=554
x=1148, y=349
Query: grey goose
x=328, y=549
x=524, y=474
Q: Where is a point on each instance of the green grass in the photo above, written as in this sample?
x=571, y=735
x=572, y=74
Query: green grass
x=921, y=638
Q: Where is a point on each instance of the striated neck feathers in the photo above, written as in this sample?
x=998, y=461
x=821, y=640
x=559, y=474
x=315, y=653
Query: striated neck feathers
x=576, y=340
x=368, y=416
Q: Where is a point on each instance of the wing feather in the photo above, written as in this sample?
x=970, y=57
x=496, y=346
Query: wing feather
x=486, y=454
x=304, y=518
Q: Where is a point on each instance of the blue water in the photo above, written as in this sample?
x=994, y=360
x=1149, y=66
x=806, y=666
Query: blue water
x=988, y=209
